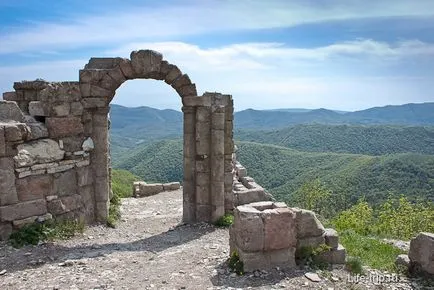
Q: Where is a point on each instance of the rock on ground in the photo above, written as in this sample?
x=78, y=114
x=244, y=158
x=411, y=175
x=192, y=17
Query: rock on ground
x=151, y=249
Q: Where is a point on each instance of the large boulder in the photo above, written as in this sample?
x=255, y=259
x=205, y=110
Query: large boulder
x=9, y=111
x=421, y=253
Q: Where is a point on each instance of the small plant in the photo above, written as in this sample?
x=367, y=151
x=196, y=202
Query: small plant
x=114, y=210
x=225, y=221
x=311, y=256
x=34, y=233
x=235, y=264
x=354, y=265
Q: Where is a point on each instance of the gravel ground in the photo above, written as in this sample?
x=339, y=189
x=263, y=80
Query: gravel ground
x=152, y=249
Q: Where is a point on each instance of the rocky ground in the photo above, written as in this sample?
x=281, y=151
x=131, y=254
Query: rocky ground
x=151, y=249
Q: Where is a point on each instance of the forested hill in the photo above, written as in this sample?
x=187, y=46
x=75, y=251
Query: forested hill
x=282, y=170
x=370, y=140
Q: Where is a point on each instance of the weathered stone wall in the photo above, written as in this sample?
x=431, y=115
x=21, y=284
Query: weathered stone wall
x=54, y=150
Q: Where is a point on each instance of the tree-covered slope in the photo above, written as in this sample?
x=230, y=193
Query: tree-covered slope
x=370, y=140
x=283, y=171
x=160, y=161
x=348, y=176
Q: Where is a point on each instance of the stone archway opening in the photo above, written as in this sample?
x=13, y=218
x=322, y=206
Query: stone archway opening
x=207, y=132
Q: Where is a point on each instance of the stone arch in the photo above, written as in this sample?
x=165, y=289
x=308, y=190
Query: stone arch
x=208, y=125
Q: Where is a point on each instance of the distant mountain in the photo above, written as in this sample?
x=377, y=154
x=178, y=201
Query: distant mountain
x=133, y=126
x=409, y=114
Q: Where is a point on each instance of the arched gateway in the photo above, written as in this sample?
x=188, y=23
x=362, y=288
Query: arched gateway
x=69, y=120
x=208, y=124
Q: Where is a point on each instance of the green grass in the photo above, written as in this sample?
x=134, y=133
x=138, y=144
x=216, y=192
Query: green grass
x=34, y=233
x=122, y=186
x=372, y=252
x=122, y=182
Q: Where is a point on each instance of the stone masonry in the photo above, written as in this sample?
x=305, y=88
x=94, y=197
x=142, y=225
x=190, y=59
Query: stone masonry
x=54, y=151
x=269, y=234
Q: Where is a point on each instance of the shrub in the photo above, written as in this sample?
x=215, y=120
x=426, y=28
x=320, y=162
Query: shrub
x=235, y=264
x=359, y=218
x=225, y=221
x=310, y=256
x=49, y=230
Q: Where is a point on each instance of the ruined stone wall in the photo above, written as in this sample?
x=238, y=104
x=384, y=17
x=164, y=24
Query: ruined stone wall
x=45, y=155
x=54, y=151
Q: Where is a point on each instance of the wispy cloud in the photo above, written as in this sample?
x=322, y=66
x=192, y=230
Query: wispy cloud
x=117, y=24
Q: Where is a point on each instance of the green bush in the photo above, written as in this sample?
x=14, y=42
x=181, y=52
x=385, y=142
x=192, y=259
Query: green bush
x=122, y=182
x=310, y=256
x=49, y=230
x=225, y=221
x=235, y=264
x=359, y=218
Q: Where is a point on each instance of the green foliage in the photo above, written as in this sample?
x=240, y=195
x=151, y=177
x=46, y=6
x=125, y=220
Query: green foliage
x=313, y=196
x=356, y=139
x=354, y=265
x=370, y=251
x=347, y=177
x=310, y=256
x=156, y=162
x=122, y=182
x=235, y=264
x=225, y=221
x=399, y=218
x=396, y=218
x=49, y=230
x=358, y=218
x=114, y=211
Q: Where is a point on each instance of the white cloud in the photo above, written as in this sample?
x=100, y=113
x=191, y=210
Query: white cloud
x=126, y=23
x=348, y=75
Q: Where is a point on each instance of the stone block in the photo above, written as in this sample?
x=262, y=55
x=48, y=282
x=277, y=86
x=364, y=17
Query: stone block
x=331, y=238
x=20, y=223
x=5, y=231
x=38, y=108
x=101, y=210
x=56, y=207
x=421, y=252
x=23, y=210
x=65, y=183
x=72, y=143
x=279, y=229
x=310, y=242
x=89, y=103
x=71, y=202
x=334, y=256
x=249, y=229
x=308, y=224
x=149, y=189
x=145, y=63
x=283, y=258
x=39, y=151
x=61, y=110
x=62, y=127
x=171, y=186
x=76, y=109
x=2, y=141
x=16, y=132
x=34, y=187
x=84, y=176
x=101, y=189
x=251, y=195
x=38, y=130
x=8, y=193
x=173, y=74
x=9, y=111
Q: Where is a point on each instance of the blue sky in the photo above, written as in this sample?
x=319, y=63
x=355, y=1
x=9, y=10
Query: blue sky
x=336, y=54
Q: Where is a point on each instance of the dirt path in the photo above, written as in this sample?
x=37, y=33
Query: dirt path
x=150, y=249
